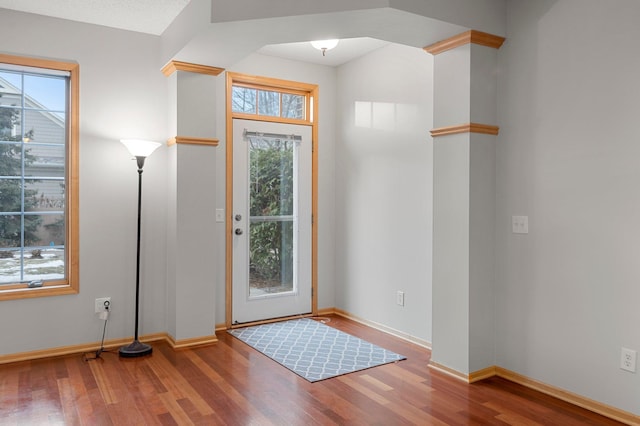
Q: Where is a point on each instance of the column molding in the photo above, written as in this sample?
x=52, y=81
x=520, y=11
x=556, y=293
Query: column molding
x=173, y=66
x=467, y=37
x=462, y=39
x=179, y=140
x=486, y=129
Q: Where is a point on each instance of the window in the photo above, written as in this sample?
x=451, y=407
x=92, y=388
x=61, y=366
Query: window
x=269, y=103
x=38, y=177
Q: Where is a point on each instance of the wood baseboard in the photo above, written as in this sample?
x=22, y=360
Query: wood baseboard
x=191, y=343
x=448, y=371
x=485, y=373
x=476, y=376
x=404, y=336
x=570, y=397
x=108, y=344
x=326, y=311
x=61, y=351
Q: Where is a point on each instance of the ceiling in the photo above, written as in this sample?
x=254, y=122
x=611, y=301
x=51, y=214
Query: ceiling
x=154, y=16
x=145, y=16
x=345, y=51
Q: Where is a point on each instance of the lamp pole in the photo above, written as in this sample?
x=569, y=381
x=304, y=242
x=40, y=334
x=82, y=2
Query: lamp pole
x=137, y=348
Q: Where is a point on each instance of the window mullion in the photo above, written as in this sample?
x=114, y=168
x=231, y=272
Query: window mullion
x=22, y=172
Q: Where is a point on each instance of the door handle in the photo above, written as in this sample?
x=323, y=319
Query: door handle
x=238, y=231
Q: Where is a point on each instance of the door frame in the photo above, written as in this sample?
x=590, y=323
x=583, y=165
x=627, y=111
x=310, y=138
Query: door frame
x=311, y=93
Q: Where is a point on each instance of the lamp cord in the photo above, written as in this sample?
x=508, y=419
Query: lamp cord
x=86, y=357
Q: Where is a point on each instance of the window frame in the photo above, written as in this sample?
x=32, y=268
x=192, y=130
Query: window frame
x=70, y=283
x=311, y=93
x=265, y=86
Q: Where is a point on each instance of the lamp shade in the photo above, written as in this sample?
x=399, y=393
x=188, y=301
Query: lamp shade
x=325, y=44
x=139, y=147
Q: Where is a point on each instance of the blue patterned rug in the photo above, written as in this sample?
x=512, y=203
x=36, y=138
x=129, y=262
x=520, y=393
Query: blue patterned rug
x=314, y=350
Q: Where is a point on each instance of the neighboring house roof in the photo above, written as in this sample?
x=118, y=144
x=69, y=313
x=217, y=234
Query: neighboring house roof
x=47, y=146
x=7, y=88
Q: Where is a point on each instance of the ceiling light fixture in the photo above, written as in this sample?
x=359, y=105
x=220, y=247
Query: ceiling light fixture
x=325, y=45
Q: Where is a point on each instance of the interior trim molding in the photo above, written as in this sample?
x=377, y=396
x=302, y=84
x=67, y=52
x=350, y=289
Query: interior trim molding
x=108, y=344
x=173, y=66
x=570, y=397
x=486, y=129
x=404, y=336
x=467, y=37
x=485, y=373
x=188, y=140
x=448, y=371
x=564, y=395
x=270, y=321
x=192, y=342
x=326, y=311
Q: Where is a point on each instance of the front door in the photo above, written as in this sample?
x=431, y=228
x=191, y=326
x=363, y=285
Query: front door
x=272, y=193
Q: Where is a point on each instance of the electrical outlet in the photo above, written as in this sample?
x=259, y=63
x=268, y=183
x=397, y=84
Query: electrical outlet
x=628, y=360
x=400, y=298
x=103, y=304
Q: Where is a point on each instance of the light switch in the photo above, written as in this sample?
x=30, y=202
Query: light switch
x=219, y=215
x=520, y=224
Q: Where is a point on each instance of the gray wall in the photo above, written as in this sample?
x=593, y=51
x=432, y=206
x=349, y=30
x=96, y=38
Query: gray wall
x=567, y=156
x=122, y=94
x=568, y=293
x=384, y=188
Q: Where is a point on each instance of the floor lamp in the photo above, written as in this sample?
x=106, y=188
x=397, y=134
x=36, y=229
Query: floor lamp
x=140, y=149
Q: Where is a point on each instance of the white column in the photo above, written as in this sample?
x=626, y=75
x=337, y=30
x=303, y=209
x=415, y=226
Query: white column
x=192, y=203
x=464, y=203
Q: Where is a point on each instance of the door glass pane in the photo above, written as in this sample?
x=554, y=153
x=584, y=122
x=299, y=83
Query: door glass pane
x=272, y=224
x=271, y=257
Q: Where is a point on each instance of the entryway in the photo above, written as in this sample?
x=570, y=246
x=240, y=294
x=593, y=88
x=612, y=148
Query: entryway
x=271, y=220
x=271, y=205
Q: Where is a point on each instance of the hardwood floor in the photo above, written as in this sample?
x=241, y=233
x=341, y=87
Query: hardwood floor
x=231, y=383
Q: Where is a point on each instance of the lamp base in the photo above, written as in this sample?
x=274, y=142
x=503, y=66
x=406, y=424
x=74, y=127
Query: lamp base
x=135, y=349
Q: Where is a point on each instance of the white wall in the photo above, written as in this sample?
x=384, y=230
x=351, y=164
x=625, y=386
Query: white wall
x=122, y=94
x=384, y=187
x=324, y=77
x=568, y=156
